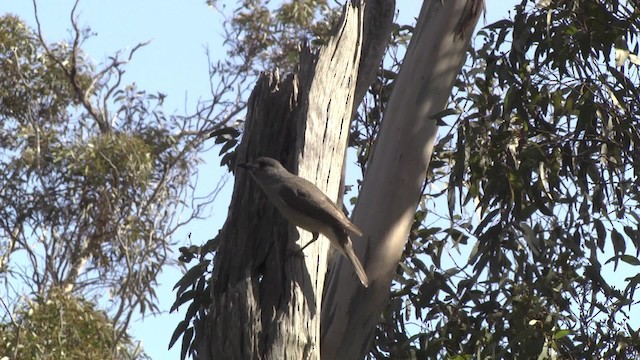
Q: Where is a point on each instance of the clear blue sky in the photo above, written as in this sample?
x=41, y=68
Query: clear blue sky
x=173, y=63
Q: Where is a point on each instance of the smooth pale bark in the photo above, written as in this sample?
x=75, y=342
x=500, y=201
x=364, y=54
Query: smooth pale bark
x=392, y=184
x=266, y=304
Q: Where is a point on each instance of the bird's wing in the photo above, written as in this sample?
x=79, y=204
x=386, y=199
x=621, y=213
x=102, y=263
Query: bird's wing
x=306, y=198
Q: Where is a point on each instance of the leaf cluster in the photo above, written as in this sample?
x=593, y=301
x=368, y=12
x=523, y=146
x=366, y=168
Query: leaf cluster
x=94, y=176
x=264, y=36
x=540, y=178
x=59, y=325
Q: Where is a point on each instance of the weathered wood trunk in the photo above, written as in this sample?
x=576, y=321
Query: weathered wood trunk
x=392, y=184
x=266, y=304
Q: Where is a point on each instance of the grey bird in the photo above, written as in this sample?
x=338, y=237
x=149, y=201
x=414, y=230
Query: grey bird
x=306, y=206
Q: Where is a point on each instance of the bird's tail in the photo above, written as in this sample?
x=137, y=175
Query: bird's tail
x=357, y=265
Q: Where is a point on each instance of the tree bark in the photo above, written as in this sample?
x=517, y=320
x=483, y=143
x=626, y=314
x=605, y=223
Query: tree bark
x=392, y=184
x=378, y=21
x=266, y=303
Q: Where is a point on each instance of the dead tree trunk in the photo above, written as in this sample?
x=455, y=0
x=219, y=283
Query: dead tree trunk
x=396, y=171
x=265, y=303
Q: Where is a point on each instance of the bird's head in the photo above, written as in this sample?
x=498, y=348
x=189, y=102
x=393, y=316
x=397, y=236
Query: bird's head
x=264, y=169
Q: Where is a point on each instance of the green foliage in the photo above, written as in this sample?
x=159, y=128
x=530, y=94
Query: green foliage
x=264, y=37
x=62, y=326
x=260, y=35
x=193, y=288
x=30, y=81
x=539, y=174
x=545, y=151
x=94, y=178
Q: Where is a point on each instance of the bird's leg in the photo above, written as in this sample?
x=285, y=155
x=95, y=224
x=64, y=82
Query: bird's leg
x=313, y=239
